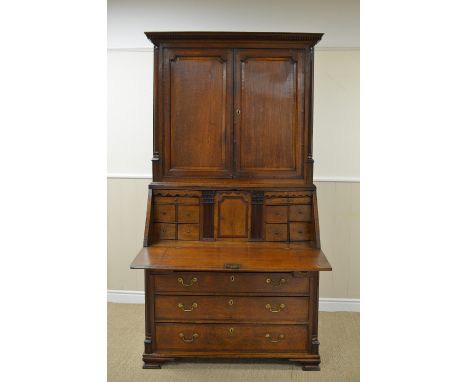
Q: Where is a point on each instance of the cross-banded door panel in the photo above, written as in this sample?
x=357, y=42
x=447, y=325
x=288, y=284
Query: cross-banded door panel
x=197, y=112
x=268, y=122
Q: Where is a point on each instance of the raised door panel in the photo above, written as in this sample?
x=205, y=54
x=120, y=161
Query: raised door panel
x=269, y=108
x=197, y=113
x=232, y=220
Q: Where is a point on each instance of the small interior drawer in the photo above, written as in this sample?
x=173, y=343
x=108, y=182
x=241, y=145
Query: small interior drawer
x=300, y=200
x=188, y=214
x=164, y=213
x=175, y=200
x=276, y=232
x=299, y=231
x=188, y=232
x=276, y=214
x=164, y=230
x=300, y=213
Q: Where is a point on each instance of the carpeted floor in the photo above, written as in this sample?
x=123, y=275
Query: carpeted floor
x=339, y=349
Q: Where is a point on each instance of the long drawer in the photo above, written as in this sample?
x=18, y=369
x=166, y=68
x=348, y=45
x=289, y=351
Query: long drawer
x=227, y=282
x=263, y=309
x=230, y=337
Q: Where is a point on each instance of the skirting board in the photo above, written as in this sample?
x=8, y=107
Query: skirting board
x=325, y=304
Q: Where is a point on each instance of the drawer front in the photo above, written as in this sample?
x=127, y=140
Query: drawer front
x=165, y=231
x=230, y=337
x=227, y=282
x=276, y=232
x=188, y=232
x=299, y=213
x=273, y=201
x=299, y=231
x=188, y=214
x=165, y=213
x=304, y=200
x=175, y=200
x=276, y=214
x=260, y=309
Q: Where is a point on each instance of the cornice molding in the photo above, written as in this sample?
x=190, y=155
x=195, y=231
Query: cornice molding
x=157, y=37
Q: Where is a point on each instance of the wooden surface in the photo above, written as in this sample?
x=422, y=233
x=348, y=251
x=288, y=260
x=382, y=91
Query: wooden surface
x=213, y=257
x=284, y=309
x=268, y=143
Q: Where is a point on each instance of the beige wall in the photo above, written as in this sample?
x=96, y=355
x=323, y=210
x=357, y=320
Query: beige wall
x=336, y=118
x=339, y=225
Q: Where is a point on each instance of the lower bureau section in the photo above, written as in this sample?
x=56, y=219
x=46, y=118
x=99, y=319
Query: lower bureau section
x=230, y=337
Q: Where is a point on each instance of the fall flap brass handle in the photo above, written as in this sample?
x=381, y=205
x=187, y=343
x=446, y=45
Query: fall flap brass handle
x=271, y=339
x=280, y=282
x=192, y=281
x=194, y=337
x=181, y=306
x=273, y=310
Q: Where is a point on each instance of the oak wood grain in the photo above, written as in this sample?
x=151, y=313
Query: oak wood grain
x=214, y=258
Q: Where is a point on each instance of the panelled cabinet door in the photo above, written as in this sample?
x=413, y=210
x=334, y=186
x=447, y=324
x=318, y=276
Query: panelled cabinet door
x=197, y=112
x=268, y=115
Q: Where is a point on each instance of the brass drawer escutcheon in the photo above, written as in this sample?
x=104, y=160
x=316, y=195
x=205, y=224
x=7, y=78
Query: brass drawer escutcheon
x=278, y=283
x=231, y=302
x=271, y=339
x=273, y=310
x=181, y=306
x=194, y=337
x=192, y=281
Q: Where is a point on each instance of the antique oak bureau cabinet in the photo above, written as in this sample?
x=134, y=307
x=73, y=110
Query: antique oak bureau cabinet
x=231, y=245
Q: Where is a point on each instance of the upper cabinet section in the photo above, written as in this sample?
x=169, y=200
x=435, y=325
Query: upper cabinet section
x=231, y=106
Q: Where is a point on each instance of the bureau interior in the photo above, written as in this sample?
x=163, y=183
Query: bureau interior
x=239, y=216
